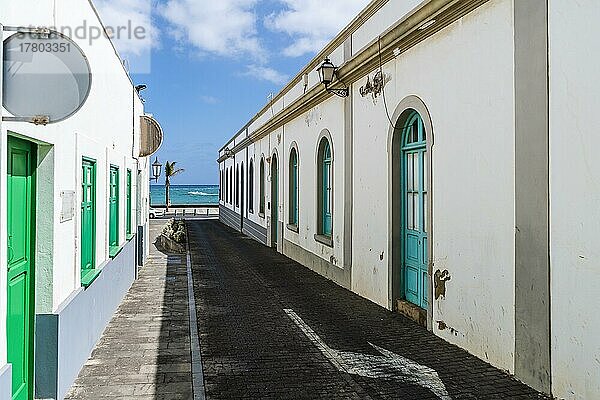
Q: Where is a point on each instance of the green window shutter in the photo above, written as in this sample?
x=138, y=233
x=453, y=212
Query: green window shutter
x=251, y=187
x=129, y=231
x=293, y=187
x=262, y=187
x=237, y=186
x=326, y=189
x=327, y=195
x=113, y=201
x=88, y=222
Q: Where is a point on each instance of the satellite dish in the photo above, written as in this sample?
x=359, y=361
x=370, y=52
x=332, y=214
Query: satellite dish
x=46, y=79
x=151, y=136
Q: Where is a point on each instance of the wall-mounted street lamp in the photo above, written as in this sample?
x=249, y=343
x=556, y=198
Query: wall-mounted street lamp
x=156, y=169
x=327, y=74
x=139, y=89
x=228, y=153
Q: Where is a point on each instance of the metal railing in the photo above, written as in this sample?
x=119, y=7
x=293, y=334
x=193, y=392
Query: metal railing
x=209, y=210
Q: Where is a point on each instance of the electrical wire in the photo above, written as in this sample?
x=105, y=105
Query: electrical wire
x=383, y=86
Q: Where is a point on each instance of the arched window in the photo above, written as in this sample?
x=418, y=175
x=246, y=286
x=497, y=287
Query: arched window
x=325, y=189
x=237, y=186
x=231, y=185
x=242, y=189
x=293, y=188
x=226, y=173
x=251, y=187
x=261, y=208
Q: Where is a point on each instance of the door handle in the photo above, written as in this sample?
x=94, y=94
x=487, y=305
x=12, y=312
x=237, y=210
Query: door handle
x=11, y=253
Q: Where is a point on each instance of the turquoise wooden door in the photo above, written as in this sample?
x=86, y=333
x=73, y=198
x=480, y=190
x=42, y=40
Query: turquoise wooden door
x=414, y=211
x=21, y=221
x=114, y=209
x=274, y=201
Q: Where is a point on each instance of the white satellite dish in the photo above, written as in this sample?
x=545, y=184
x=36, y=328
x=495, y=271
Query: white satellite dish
x=46, y=78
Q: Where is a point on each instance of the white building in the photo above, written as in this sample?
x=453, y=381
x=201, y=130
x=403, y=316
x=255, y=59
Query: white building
x=71, y=272
x=493, y=243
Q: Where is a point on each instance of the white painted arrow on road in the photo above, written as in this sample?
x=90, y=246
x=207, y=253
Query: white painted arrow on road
x=387, y=366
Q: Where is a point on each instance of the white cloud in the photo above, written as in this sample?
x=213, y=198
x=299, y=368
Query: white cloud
x=209, y=99
x=312, y=23
x=222, y=27
x=266, y=74
x=130, y=22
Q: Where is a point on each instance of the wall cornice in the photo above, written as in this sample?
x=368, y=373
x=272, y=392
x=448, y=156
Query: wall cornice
x=403, y=35
x=368, y=12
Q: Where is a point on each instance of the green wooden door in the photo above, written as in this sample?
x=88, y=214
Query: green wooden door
x=114, y=209
x=21, y=221
x=128, y=203
x=414, y=211
x=88, y=217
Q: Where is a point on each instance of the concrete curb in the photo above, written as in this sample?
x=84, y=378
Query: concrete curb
x=197, y=373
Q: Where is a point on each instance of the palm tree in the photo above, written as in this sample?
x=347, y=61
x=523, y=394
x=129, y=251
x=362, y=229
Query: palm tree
x=170, y=171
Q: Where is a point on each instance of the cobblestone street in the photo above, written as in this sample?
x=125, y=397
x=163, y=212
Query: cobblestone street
x=271, y=329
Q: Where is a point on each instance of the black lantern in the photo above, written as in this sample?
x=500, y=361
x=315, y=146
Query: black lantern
x=327, y=74
x=156, y=169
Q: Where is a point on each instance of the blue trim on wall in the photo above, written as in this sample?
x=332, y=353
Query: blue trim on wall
x=233, y=220
x=71, y=333
x=6, y=382
x=230, y=218
x=255, y=231
x=46, y=356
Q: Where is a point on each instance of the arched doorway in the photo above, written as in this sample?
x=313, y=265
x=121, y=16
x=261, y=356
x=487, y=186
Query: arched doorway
x=414, y=205
x=274, y=201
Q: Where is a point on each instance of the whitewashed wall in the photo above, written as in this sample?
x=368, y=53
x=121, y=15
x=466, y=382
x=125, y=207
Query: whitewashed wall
x=377, y=24
x=102, y=130
x=305, y=131
x=473, y=190
x=575, y=198
x=465, y=76
x=471, y=106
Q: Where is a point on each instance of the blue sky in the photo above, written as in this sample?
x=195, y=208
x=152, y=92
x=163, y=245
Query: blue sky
x=210, y=65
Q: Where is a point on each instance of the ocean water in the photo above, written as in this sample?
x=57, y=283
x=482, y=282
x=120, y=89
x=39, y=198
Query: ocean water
x=185, y=195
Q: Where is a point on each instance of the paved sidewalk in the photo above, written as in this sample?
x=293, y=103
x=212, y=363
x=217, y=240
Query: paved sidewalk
x=145, y=350
x=272, y=329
